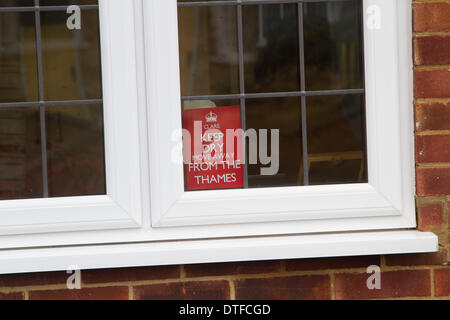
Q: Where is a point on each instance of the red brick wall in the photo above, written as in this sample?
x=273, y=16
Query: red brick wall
x=403, y=276
x=432, y=113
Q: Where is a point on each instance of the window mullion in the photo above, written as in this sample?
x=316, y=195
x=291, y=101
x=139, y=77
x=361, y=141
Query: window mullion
x=302, y=74
x=242, y=86
x=42, y=119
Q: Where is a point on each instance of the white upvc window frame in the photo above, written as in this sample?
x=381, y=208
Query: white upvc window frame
x=121, y=206
x=386, y=201
x=147, y=218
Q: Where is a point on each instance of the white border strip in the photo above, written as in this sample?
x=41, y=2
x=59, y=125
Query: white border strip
x=207, y=251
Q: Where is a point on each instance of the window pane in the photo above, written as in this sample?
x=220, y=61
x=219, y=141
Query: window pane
x=208, y=51
x=20, y=153
x=66, y=2
x=29, y=3
x=48, y=150
x=333, y=45
x=336, y=140
x=17, y=3
x=282, y=114
x=75, y=150
x=299, y=137
x=271, y=48
x=18, y=67
x=71, y=58
x=200, y=0
x=199, y=104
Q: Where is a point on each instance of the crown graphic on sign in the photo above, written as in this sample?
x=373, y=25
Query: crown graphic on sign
x=211, y=117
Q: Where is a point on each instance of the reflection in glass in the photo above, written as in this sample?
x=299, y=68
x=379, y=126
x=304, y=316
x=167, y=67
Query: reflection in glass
x=336, y=140
x=66, y=2
x=75, y=150
x=271, y=48
x=200, y=104
x=20, y=153
x=333, y=60
x=333, y=45
x=208, y=51
x=71, y=58
x=73, y=134
x=18, y=67
x=17, y=3
x=198, y=0
x=282, y=114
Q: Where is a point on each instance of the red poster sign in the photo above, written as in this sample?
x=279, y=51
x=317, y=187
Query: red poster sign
x=209, y=163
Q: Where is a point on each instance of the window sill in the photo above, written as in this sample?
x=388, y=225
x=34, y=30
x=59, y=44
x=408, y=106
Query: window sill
x=218, y=250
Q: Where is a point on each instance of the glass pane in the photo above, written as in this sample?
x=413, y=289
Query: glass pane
x=282, y=114
x=71, y=58
x=29, y=3
x=201, y=104
x=17, y=3
x=75, y=150
x=20, y=153
x=74, y=134
x=271, y=48
x=275, y=144
x=208, y=51
x=333, y=45
x=336, y=139
x=66, y=2
x=200, y=0
x=18, y=67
